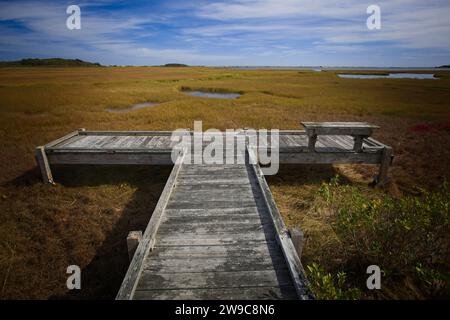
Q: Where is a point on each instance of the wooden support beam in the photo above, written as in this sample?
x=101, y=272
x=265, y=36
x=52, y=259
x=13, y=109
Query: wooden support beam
x=297, y=240
x=386, y=159
x=312, y=142
x=357, y=147
x=44, y=165
x=133, y=239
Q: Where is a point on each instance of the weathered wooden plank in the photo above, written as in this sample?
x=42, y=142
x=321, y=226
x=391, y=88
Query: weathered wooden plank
x=127, y=133
x=213, y=229
x=209, y=264
x=237, y=250
x=66, y=142
x=363, y=126
x=62, y=139
x=213, y=204
x=233, y=279
x=211, y=196
x=252, y=293
x=210, y=219
x=330, y=158
x=192, y=239
x=212, y=181
x=195, y=212
x=82, y=142
x=110, y=158
x=44, y=165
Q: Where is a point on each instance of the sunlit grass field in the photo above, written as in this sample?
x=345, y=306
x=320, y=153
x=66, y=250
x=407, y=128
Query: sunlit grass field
x=85, y=218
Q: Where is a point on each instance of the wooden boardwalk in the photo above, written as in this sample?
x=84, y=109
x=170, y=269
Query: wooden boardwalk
x=216, y=232
x=216, y=240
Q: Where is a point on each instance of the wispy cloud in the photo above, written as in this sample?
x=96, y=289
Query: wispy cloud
x=286, y=32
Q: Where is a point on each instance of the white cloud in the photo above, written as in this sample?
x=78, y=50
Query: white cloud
x=228, y=32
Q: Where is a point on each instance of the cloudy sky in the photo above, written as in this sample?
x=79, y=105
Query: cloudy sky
x=234, y=32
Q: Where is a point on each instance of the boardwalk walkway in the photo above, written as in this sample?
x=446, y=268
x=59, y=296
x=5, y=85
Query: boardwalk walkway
x=216, y=240
x=216, y=232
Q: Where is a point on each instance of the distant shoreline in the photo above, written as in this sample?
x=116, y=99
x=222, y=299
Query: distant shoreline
x=338, y=68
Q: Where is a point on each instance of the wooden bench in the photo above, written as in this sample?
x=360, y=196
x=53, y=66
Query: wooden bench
x=358, y=130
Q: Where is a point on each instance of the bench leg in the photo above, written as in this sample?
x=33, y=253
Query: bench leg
x=357, y=147
x=42, y=161
x=312, y=143
x=386, y=158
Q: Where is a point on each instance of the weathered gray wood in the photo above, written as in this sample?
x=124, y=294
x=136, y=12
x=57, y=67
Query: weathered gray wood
x=235, y=251
x=282, y=235
x=128, y=133
x=133, y=239
x=218, y=222
x=214, y=264
x=248, y=293
x=133, y=148
x=62, y=139
x=358, y=143
x=386, y=159
x=193, y=238
x=227, y=229
x=346, y=128
x=329, y=158
x=297, y=240
x=208, y=212
x=360, y=131
x=230, y=279
x=104, y=158
x=145, y=245
x=44, y=165
x=312, y=142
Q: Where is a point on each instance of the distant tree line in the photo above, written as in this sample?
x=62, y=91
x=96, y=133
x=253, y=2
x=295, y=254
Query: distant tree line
x=52, y=62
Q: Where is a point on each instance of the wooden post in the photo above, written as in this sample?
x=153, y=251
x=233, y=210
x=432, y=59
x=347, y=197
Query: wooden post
x=386, y=158
x=297, y=239
x=42, y=161
x=312, y=142
x=133, y=239
x=357, y=147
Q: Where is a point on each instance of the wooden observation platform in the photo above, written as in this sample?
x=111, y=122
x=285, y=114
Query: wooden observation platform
x=216, y=232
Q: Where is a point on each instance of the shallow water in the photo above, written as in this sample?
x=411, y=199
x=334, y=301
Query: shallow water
x=134, y=107
x=215, y=95
x=390, y=76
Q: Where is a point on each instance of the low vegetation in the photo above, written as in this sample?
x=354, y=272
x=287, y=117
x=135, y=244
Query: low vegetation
x=175, y=65
x=86, y=217
x=407, y=238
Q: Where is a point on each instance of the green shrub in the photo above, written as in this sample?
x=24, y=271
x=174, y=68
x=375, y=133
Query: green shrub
x=328, y=287
x=407, y=237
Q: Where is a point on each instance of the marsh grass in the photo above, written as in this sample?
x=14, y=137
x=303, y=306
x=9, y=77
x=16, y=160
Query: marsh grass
x=84, y=220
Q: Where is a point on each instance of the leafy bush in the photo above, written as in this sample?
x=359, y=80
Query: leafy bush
x=328, y=287
x=409, y=238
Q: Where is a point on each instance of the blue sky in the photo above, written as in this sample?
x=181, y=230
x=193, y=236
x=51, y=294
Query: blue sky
x=236, y=32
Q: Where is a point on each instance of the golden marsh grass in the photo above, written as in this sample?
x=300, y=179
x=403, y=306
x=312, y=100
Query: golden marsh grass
x=86, y=217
